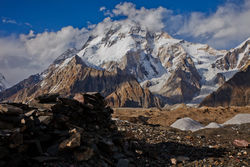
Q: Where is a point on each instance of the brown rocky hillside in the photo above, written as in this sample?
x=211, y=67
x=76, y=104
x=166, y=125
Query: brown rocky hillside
x=235, y=92
x=72, y=76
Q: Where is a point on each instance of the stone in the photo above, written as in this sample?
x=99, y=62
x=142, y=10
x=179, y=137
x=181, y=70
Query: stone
x=123, y=163
x=79, y=97
x=73, y=142
x=10, y=110
x=241, y=143
x=173, y=161
x=84, y=155
x=47, y=98
x=45, y=119
x=30, y=113
x=182, y=158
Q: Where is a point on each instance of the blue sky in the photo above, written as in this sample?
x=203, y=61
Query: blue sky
x=34, y=32
x=52, y=15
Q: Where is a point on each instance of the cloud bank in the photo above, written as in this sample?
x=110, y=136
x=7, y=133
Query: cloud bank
x=225, y=28
x=31, y=53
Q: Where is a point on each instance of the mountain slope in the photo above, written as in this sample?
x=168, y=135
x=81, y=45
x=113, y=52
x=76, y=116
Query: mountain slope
x=176, y=71
x=156, y=60
x=73, y=76
x=133, y=95
x=235, y=92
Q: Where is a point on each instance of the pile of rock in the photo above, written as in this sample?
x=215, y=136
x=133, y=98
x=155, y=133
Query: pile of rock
x=55, y=131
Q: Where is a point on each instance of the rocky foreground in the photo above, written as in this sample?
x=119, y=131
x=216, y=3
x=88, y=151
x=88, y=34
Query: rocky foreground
x=55, y=131
x=163, y=146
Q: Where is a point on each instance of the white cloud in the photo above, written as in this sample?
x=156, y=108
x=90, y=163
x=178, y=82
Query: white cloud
x=31, y=53
x=225, y=28
x=150, y=18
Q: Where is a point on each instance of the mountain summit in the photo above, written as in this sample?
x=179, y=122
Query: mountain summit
x=133, y=66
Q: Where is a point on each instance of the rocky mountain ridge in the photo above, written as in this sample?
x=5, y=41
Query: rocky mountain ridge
x=172, y=70
x=176, y=70
x=235, y=92
x=72, y=76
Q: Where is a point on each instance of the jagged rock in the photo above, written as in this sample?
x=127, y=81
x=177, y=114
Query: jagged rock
x=232, y=59
x=73, y=142
x=69, y=126
x=10, y=116
x=45, y=119
x=235, y=92
x=219, y=79
x=26, y=83
x=183, y=84
x=73, y=76
x=47, y=98
x=10, y=110
x=133, y=95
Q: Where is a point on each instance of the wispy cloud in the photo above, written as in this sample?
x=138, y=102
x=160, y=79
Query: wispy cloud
x=7, y=20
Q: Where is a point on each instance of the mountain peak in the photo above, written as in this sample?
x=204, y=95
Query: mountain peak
x=67, y=54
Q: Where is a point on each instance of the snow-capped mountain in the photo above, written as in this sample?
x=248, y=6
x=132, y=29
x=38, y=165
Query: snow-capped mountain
x=118, y=56
x=2, y=82
x=177, y=70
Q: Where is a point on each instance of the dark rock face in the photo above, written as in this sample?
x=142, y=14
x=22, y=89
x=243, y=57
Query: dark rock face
x=235, y=92
x=29, y=82
x=132, y=94
x=230, y=60
x=219, y=79
x=184, y=83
